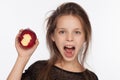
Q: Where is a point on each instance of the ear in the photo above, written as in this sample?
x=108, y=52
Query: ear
x=84, y=43
x=52, y=37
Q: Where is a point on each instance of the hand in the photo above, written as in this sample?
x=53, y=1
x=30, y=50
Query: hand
x=24, y=52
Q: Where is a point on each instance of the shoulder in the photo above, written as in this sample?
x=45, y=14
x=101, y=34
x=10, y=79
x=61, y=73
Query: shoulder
x=92, y=75
x=34, y=69
x=39, y=64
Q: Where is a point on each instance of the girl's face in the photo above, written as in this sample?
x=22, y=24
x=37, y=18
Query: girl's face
x=69, y=37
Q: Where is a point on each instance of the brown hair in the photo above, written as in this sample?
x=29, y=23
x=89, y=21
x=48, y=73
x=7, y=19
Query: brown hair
x=69, y=8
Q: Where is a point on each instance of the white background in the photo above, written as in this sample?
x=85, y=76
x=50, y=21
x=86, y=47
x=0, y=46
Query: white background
x=104, y=16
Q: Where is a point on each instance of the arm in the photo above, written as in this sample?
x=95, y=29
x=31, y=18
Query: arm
x=22, y=59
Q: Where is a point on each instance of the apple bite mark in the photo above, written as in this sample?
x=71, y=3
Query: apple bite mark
x=26, y=39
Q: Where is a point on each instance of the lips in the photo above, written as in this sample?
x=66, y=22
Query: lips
x=69, y=51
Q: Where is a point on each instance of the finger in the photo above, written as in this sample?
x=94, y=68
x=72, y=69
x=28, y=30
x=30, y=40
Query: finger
x=36, y=43
x=17, y=37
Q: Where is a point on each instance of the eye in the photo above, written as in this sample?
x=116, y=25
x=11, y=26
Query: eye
x=61, y=32
x=77, y=32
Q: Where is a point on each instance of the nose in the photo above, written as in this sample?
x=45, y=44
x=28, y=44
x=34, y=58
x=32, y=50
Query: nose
x=69, y=37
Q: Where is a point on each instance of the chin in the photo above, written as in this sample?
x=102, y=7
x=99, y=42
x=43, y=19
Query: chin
x=27, y=38
x=68, y=59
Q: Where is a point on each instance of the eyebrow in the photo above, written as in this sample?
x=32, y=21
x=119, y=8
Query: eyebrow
x=65, y=28
x=60, y=28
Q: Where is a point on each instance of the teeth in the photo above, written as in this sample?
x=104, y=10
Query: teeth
x=69, y=46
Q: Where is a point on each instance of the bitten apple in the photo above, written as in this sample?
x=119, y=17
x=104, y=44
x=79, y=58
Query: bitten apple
x=27, y=38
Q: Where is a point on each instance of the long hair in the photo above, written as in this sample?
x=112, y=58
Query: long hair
x=69, y=8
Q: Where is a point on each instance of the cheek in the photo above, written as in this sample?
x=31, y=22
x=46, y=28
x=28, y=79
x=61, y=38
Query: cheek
x=80, y=41
x=59, y=41
x=59, y=38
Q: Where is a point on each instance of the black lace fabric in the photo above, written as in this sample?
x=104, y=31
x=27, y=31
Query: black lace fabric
x=57, y=73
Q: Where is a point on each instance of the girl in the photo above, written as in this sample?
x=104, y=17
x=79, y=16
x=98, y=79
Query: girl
x=68, y=38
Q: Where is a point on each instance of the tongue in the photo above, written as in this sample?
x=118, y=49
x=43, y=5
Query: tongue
x=69, y=52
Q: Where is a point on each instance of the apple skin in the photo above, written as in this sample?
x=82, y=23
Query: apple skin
x=24, y=36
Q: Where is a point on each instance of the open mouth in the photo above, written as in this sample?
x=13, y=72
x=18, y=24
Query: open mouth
x=69, y=47
x=69, y=51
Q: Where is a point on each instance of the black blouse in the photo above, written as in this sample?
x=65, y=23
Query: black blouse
x=56, y=73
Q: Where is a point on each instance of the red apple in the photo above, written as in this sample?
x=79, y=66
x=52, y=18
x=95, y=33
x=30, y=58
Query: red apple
x=27, y=38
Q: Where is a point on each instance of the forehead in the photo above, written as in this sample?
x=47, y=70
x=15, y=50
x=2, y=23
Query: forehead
x=69, y=21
